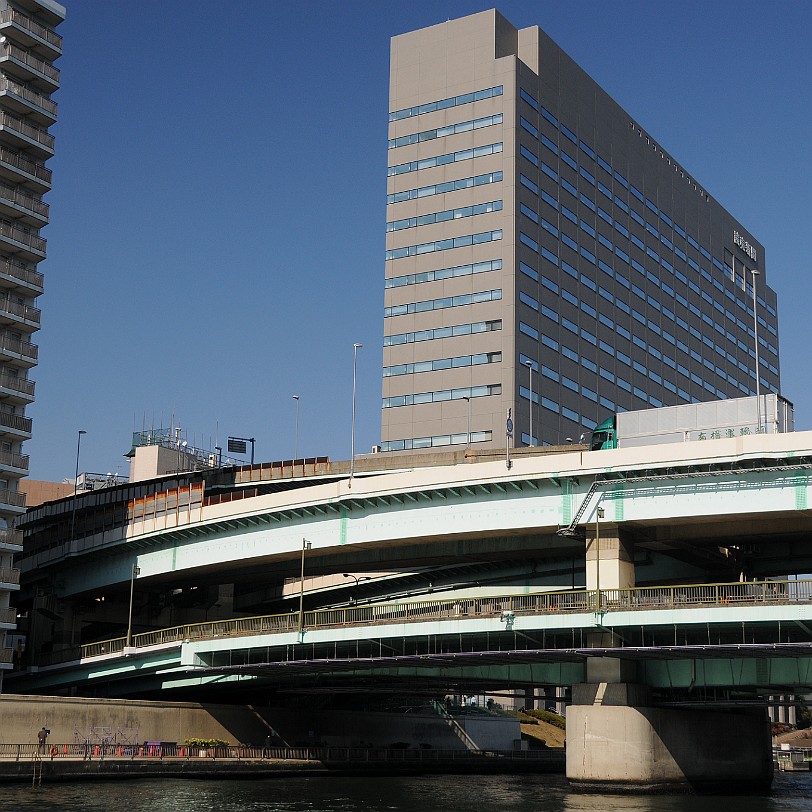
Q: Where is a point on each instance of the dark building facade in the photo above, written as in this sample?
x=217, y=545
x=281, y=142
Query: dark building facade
x=542, y=247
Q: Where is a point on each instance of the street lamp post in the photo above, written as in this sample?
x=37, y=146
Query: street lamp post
x=755, y=334
x=306, y=545
x=468, y=441
x=598, y=517
x=529, y=365
x=136, y=571
x=75, y=485
x=357, y=581
x=355, y=348
x=296, y=434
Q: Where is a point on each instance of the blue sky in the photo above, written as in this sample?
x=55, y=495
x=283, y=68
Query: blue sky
x=217, y=219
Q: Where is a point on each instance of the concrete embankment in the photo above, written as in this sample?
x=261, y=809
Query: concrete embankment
x=46, y=769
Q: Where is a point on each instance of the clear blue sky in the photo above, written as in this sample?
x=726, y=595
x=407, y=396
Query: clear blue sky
x=218, y=210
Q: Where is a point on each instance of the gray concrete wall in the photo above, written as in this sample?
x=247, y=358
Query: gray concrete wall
x=358, y=729
x=650, y=747
x=74, y=719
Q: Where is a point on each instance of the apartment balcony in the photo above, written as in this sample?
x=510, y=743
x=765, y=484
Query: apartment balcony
x=18, y=276
x=30, y=32
x=16, y=166
x=8, y=616
x=15, y=349
x=17, y=426
x=27, y=102
x=21, y=240
x=27, y=66
x=13, y=312
x=18, y=202
x=15, y=388
x=6, y=659
x=11, y=462
x=22, y=135
x=11, y=502
x=11, y=540
x=9, y=577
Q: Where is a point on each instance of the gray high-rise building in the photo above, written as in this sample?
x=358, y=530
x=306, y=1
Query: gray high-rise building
x=29, y=45
x=541, y=243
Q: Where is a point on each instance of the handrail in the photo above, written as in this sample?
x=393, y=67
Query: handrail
x=37, y=99
x=42, y=67
x=25, y=164
x=152, y=751
x=9, y=575
x=757, y=593
x=38, y=134
x=22, y=235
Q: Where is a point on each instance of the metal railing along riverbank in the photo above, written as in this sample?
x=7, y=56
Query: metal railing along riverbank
x=150, y=751
x=752, y=593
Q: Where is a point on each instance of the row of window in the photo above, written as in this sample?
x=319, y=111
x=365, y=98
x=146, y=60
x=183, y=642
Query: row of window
x=443, y=273
x=442, y=160
x=442, y=304
x=442, y=132
x=584, y=148
x=444, y=216
x=444, y=245
x=444, y=188
x=438, y=441
x=466, y=393
x=553, y=406
x=646, y=299
x=444, y=104
x=652, y=326
x=442, y=332
x=443, y=363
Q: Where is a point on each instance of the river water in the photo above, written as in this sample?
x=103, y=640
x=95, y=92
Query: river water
x=451, y=793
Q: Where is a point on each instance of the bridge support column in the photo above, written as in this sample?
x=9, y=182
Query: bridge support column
x=618, y=741
x=616, y=568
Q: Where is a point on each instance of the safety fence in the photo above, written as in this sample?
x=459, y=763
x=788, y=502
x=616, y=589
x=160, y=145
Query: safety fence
x=327, y=755
x=752, y=593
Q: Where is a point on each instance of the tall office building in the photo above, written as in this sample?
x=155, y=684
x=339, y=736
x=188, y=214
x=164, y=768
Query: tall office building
x=29, y=45
x=542, y=244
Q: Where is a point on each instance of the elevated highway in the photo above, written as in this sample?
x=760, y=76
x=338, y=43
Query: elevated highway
x=664, y=572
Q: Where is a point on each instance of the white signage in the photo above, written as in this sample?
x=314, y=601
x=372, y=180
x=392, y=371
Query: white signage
x=744, y=245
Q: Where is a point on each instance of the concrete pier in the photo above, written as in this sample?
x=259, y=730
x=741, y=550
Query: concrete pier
x=616, y=741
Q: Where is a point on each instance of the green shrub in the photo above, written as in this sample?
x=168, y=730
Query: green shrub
x=206, y=743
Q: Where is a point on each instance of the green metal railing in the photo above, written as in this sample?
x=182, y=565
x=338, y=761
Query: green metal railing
x=753, y=593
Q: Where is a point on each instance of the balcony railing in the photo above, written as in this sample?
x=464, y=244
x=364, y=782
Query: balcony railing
x=9, y=575
x=25, y=200
x=11, y=15
x=16, y=346
x=24, y=311
x=22, y=235
x=38, y=99
x=15, y=422
x=16, y=271
x=19, y=125
x=12, y=460
x=22, y=385
x=6, y=656
x=9, y=536
x=42, y=67
x=8, y=614
x=25, y=164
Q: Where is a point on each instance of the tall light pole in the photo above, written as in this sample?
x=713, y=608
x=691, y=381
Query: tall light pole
x=755, y=333
x=296, y=434
x=598, y=517
x=75, y=485
x=306, y=545
x=136, y=571
x=529, y=365
x=355, y=348
x=468, y=441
